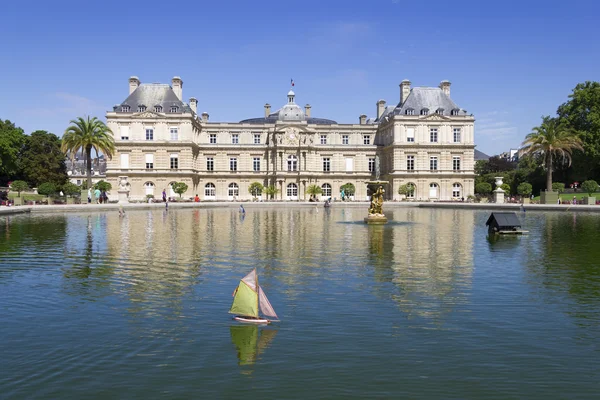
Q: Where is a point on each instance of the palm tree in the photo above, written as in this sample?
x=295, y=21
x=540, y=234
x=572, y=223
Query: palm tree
x=87, y=134
x=314, y=190
x=551, y=138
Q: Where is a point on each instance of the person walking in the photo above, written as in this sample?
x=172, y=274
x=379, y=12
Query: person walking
x=164, y=195
x=89, y=195
x=97, y=195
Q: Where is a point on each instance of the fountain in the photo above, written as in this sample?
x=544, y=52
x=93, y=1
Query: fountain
x=376, y=216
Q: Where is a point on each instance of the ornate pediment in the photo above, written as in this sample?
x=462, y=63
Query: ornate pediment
x=146, y=114
x=434, y=117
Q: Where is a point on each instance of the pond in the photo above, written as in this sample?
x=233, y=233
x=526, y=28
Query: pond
x=96, y=306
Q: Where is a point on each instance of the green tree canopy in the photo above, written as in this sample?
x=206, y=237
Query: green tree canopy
x=406, y=189
x=255, y=188
x=42, y=160
x=19, y=186
x=483, y=188
x=349, y=189
x=103, y=186
x=271, y=191
x=87, y=134
x=552, y=138
x=314, y=190
x=525, y=189
x=558, y=187
x=590, y=187
x=47, y=189
x=180, y=188
x=12, y=140
x=505, y=187
x=71, y=189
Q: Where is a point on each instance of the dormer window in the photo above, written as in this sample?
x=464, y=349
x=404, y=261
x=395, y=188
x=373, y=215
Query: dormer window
x=425, y=111
x=157, y=108
x=124, y=108
x=409, y=111
x=174, y=109
x=141, y=108
x=439, y=111
x=455, y=111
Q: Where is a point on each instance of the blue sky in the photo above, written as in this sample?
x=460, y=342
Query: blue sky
x=509, y=62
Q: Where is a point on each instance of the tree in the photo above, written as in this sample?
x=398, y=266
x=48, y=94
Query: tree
x=483, y=188
x=271, y=191
x=180, y=188
x=255, y=189
x=406, y=189
x=525, y=189
x=505, y=187
x=12, y=140
x=558, y=187
x=590, y=187
x=314, y=190
x=42, y=160
x=47, y=189
x=552, y=138
x=349, y=189
x=104, y=186
x=19, y=186
x=87, y=134
x=71, y=189
x=582, y=113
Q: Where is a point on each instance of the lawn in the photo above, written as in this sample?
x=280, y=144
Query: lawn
x=27, y=196
x=569, y=196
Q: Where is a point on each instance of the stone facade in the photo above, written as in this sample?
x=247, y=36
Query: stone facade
x=425, y=140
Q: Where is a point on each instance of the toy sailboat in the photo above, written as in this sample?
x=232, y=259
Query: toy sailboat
x=248, y=299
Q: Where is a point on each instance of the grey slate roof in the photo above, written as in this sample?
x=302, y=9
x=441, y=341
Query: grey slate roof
x=430, y=98
x=503, y=220
x=151, y=95
x=481, y=156
x=274, y=117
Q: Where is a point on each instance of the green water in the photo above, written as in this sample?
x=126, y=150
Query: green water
x=93, y=306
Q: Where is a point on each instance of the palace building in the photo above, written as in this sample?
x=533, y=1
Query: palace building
x=425, y=140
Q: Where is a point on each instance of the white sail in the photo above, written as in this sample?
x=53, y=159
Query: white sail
x=265, y=306
x=250, y=279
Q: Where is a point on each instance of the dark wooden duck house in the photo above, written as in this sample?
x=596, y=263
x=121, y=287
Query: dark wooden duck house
x=504, y=223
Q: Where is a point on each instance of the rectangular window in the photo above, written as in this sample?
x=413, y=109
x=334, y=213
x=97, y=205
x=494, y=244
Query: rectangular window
x=345, y=139
x=410, y=134
x=366, y=139
x=233, y=164
x=257, y=138
x=433, y=135
x=212, y=138
x=149, y=134
x=326, y=164
x=149, y=161
x=410, y=163
x=256, y=163
x=456, y=132
x=235, y=138
x=210, y=164
x=124, y=160
x=371, y=165
x=174, y=133
x=349, y=164
x=174, y=161
x=124, y=132
x=433, y=163
x=323, y=139
x=456, y=163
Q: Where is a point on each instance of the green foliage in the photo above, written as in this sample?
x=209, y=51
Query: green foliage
x=525, y=189
x=180, y=188
x=42, y=160
x=255, y=189
x=103, y=186
x=348, y=189
x=590, y=187
x=483, y=188
x=271, y=191
x=494, y=164
x=19, y=186
x=12, y=140
x=558, y=187
x=71, y=189
x=87, y=134
x=505, y=187
x=149, y=196
x=47, y=189
x=314, y=190
x=406, y=189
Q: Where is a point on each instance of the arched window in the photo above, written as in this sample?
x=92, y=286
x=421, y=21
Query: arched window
x=149, y=187
x=292, y=163
x=456, y=190
x=210, y=191
x=409, y=111
x=233, y=190
x=141, y=108
x=411, y=189
x=326, y=188
x=157, y=108
x=433, y=190
x=292, y=191
x=424, y=111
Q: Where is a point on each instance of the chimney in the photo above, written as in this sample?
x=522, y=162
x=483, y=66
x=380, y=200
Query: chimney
x=194, y=104
x=134, y=82
x=404, y=90
x=362, y=119
x=177, y=85
x=380, y=108
x=204, y=116
x=307, y=110
x=445, y=86
x=267, y=110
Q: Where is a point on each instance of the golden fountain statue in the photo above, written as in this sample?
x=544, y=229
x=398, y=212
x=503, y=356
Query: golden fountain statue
x=376, y=216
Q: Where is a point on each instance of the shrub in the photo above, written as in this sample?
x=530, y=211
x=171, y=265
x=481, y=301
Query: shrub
x=525, y=189
x=590, y=187
x=348, y=189
x=505, y=187
x=103, y=186
x=314, y=190
x=47, y=189
x=558, y=187
x=19, y=186
x=149, y=196
x=256, y=189
x=271, y=191
x=483, y=188
x=70, y=189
